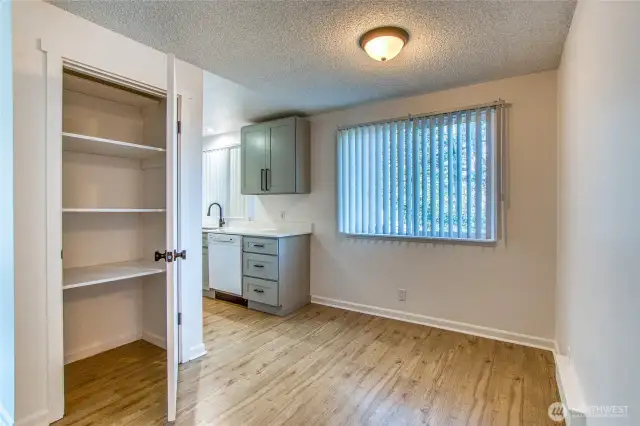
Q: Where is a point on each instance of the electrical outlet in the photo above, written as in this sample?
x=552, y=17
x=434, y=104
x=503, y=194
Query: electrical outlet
x=402, y=294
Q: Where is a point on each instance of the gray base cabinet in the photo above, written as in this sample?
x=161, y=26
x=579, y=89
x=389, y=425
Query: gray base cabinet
x=276, y=273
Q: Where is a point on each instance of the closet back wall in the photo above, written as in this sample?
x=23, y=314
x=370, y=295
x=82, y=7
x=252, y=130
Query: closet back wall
x=509, y=287
x=102, y=317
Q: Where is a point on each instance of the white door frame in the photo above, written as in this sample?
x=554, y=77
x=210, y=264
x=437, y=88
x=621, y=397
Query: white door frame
x=55, y=58
x=53, y=154
x=172, y=236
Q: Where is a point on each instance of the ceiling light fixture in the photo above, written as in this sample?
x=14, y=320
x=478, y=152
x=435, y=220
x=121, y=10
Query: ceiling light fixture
x=384, y=43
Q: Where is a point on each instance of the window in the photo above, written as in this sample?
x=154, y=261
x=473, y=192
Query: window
x=221, y=181
x=433, y=177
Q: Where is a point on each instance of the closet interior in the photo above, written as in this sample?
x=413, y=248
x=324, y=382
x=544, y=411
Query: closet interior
x=114, y=216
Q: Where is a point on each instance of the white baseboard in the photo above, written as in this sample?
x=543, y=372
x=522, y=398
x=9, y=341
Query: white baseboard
x=5, y=417
x=570, y=391
x=195, y=352
x=37, y=419
x=460, y=327
x=96, y=348
x=155, y=339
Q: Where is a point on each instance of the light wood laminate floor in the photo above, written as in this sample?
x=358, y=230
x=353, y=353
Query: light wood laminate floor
x=319, y=366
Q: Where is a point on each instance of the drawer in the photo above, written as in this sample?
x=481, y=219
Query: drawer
x=260, y=266
x=261, y=291
x=261, y=245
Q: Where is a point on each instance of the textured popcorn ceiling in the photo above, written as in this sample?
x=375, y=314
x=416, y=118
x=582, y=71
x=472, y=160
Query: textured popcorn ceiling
x=303, y=55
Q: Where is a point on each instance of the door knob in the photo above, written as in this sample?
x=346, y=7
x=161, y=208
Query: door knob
x=167, y=256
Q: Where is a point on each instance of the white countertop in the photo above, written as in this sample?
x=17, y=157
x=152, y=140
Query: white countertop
x=288, y=230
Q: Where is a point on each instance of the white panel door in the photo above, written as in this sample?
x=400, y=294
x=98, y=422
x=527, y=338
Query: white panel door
x=172, y=239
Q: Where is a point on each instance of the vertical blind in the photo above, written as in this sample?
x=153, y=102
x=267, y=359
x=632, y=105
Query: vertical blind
x=433, y=176
x=221, y=181
x=236, y=199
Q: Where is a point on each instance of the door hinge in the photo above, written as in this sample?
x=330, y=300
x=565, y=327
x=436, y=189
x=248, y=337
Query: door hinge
x=179, y=318
x=180, y=254
x=179, y=127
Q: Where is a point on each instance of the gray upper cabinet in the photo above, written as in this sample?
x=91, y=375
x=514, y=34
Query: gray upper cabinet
x=253, y=157
x=275, y=157
x=281, y=158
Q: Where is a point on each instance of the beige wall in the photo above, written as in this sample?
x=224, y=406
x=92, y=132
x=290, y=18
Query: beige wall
x=598, y=315
x=510, y=287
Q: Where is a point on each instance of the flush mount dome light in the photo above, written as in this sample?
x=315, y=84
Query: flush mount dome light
x=384, y=43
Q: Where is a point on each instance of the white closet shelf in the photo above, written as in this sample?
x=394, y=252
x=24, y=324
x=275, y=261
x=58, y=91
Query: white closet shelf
x=100, y=146
x=100, y=274
x=100, y=210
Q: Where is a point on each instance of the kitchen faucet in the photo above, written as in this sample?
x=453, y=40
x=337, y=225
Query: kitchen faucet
x=221, y=222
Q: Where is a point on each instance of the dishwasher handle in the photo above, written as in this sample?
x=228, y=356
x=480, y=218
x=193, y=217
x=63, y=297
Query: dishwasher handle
x=224, y=239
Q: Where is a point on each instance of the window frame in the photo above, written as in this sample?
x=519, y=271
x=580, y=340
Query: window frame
x=499, y=171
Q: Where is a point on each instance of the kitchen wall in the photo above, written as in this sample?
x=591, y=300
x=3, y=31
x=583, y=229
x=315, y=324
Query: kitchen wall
x=7, y=319
x=510, y=287
x=598, y=226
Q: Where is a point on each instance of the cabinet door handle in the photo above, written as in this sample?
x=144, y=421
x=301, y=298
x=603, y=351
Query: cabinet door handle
x=262, y=180
x=268, y=179
x=257, y=290
x=258, y=245
x=255, y=265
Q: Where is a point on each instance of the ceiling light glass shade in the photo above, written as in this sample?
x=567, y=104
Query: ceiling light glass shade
x=384, y=43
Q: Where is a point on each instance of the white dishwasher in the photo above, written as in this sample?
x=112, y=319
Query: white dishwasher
x=225, y=263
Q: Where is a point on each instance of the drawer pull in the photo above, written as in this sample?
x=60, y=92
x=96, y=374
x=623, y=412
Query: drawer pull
x=258, y=245
x=257, y=290
x=255, y=265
